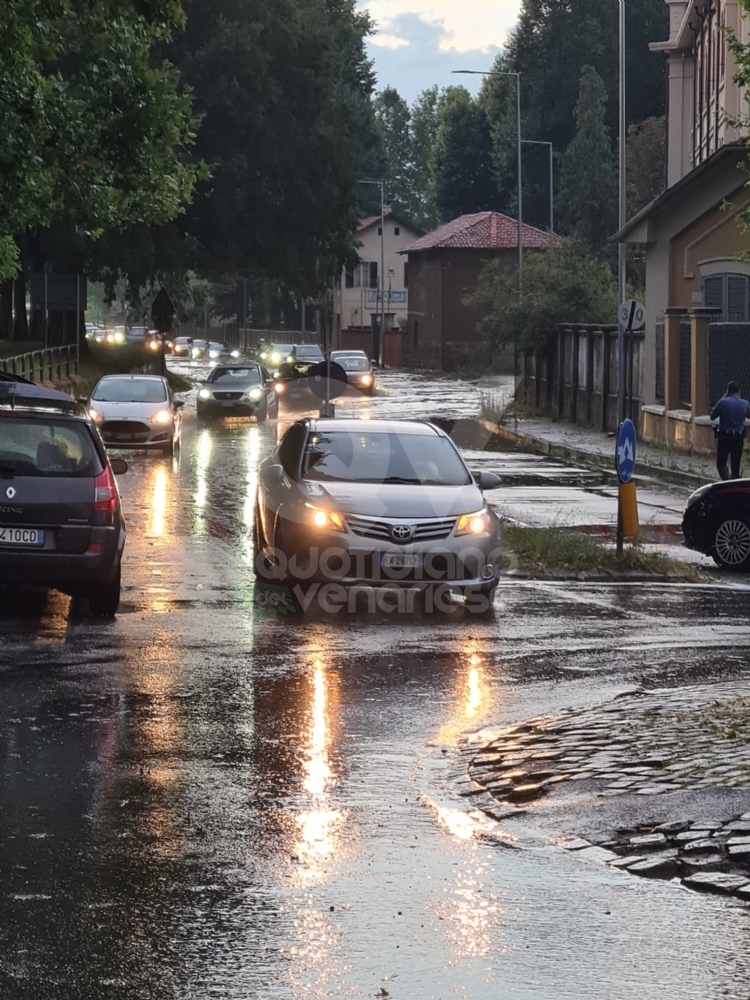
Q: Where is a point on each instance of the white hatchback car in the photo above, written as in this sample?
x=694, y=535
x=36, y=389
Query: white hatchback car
x=137, y=411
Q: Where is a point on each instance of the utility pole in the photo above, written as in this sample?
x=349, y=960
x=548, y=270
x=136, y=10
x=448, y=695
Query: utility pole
x=623, y=206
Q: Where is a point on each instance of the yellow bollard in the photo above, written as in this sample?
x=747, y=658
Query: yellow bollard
x=629, y=507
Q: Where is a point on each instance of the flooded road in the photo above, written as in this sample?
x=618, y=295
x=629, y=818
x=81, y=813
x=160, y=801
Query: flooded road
x=200, y=800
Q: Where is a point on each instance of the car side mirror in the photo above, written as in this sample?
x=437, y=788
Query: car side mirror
x=374, y=363
x=488, y=481
x=119, y=466
x=179, y=403
x=275, y=474
x=82, y=401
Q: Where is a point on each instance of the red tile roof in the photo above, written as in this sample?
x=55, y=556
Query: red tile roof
x=483, y=231
x=369, y=221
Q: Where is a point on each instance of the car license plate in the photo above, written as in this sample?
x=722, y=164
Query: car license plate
x=401, y=560
x=21, y=536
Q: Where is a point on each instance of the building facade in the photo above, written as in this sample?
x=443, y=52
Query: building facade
x=443, y=272
x=691, y=234
x=358, y=297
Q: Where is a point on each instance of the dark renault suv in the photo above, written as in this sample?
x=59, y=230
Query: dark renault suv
x=61, y=525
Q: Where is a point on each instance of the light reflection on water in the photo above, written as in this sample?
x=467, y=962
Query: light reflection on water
x=159, y=501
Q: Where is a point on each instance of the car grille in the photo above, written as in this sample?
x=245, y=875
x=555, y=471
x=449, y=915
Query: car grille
x=424, y=531
x=226, y=396
x=131, y=430
x=440, y=567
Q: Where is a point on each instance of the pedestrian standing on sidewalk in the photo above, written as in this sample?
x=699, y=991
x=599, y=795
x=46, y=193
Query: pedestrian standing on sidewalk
x=731, y=411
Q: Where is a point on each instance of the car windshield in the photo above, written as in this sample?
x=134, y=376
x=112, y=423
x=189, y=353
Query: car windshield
x=130, y=390
x=371, y=457
x=229, y=376
x=308, y=351
x=280, y=349
x=34, y=447
x=183, y=341
x=352, y=363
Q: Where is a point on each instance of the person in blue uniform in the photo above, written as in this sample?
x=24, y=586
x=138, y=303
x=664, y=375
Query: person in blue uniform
x=731, y=411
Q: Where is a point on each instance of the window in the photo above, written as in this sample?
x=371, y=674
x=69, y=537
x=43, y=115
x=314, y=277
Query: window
x=727, y=295
x=34, y=448
x=290, y=449
x=397, y=231
x=365, y=275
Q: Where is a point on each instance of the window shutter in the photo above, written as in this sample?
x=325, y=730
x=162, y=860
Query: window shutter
x=373, y=274
x=713, y=292
x=736, y=311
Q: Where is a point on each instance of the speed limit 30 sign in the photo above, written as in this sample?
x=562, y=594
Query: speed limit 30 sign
x=631, y=315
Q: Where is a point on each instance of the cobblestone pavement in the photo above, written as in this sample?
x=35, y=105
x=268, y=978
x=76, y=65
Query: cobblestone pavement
x=696, y=737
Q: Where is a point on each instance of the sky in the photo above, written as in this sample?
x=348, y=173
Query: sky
x=419, y=42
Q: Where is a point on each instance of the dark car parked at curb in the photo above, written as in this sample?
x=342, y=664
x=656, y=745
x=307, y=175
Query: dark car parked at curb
x=241, y=390
x=717, y=522
x=61, y=524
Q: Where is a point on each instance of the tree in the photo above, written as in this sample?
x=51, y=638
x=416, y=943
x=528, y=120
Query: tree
x=393, y=120
x=647, y=163
x=562, y=285
x=549, y=47
x=461, y=160
x=97, y=131
x=588, y=191
x=425, y=115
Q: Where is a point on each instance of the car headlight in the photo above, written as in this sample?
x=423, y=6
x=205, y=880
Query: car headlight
x=154, y=345
x=95, y=416
x=255, y=393
x=473, y=524
x=264, y=355
x=161, y=417
x=279, y=387
x=214, y=354
x=204, y=394
x=275, y=357
x=290, y=357
x=367, y=380
x=120, y=338
x=322, y=518
x=235, y=354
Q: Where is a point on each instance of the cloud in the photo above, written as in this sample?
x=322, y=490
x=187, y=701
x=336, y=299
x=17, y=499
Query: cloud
x=423, y=56
x=468, y=25
x=388, y=41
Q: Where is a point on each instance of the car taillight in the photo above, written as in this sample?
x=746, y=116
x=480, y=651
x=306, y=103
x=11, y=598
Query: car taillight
x=105, y=492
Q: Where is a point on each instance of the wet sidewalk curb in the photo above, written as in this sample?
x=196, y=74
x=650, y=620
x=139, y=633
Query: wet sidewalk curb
x=655, y=784
x=591, y=459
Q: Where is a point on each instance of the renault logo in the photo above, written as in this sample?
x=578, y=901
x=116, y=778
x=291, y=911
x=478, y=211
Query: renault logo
x=10, y=493
x=402, y=533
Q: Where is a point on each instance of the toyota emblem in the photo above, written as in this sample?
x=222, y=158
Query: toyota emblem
x=402, y=533
x=10, y=493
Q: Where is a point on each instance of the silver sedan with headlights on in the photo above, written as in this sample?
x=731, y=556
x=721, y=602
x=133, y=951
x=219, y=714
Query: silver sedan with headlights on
x=137, y=411
x=242, y=390
x=375, y=503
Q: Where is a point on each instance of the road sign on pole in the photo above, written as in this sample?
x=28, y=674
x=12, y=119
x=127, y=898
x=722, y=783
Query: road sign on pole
x=631, y=316
x=625, y=451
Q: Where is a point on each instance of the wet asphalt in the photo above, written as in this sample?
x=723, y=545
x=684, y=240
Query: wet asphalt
x=199, y=800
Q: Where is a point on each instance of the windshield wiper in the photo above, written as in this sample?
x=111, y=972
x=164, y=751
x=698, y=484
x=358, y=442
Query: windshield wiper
x=402, y=479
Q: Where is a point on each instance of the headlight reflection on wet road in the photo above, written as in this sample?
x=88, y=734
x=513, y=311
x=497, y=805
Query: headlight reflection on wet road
x=202, y=465
x=159, y=501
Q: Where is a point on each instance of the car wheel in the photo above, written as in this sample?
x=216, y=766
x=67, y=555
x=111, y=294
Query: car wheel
x=169, y=449
x=262, y=412
x=731, y=546
x=105, y=600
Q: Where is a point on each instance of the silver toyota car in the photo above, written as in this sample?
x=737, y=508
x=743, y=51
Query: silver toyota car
x=381, y=503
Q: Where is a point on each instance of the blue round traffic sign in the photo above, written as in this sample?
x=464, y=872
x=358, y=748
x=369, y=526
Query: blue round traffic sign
x=625, y=452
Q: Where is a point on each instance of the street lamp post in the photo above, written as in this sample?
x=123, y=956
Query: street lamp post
x=536, y=142
x=623, y=206
x=381, y=282
x=517, y=76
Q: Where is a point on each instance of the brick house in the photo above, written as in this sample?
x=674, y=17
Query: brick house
x=443, y=269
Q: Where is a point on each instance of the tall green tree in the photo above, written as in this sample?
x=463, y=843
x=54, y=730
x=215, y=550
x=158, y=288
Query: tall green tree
x=588, y=190
x=393, y=119
x=462, y=157
x=425, y=120
x=97, y=132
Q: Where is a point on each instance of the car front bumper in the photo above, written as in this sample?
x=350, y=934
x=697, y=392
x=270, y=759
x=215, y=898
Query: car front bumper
x=136, y=434
x=228, y=408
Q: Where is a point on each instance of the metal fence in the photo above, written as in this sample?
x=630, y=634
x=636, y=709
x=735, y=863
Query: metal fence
x=246, y=338
x=685, y=365
x=43, y=366
x=728, y=358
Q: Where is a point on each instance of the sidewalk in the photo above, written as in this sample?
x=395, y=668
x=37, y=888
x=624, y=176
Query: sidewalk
x=573, y=443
